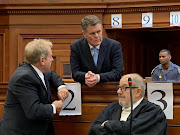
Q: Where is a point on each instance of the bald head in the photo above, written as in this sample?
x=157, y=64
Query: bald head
x=137, y=81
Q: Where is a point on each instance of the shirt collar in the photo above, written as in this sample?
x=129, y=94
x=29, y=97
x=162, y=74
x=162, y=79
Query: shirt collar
x=170, y=66
x=38, y=72
x=92, y=46
x=134, y=105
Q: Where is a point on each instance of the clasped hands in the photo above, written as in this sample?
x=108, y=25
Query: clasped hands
x=91, y=79
x=62, y=95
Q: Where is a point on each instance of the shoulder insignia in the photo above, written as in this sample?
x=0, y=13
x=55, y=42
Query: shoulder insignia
x=152, y=71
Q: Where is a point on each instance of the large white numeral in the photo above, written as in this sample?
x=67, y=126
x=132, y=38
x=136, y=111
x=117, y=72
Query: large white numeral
x=162, y=95
x=72, y=105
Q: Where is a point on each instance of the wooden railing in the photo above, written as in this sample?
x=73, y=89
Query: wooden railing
x=93, y=102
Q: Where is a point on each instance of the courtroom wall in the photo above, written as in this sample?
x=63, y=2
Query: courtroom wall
x=59, y=21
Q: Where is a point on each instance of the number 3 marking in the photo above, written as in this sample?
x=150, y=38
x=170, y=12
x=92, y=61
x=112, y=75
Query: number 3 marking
x=161, y=99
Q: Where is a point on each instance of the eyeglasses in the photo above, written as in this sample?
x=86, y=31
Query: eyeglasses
x=123, y=88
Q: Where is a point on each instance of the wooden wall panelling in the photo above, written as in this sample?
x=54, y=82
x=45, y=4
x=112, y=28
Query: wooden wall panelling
x=40, y=26
x=3, y=89
x=22, y=36
x=4, y=55
x=61, y=61
x=1, y=56
x=48, y=1
x=61, y=50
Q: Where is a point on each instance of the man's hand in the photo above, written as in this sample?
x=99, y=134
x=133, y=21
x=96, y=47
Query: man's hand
x=58, y=104
x=91, y=79
x=62, y=93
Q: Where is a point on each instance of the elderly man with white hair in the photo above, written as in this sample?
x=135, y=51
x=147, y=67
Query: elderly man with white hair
x=147, y=118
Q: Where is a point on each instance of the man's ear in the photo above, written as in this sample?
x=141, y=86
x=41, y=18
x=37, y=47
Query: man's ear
x=138, y=92
x=170, y=57
x=84, y=34
x=41, y=61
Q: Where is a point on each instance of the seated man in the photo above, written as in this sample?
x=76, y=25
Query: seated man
x=166, y=71
x=148, y=118
x=95, y=58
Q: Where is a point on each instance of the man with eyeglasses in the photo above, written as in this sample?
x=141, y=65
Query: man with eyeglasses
x=147, y=119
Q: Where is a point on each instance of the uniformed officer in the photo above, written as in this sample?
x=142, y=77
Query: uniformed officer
x=166, y=71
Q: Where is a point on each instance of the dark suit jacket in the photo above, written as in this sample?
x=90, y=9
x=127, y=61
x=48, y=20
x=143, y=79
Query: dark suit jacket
x=109, y=65
x=27, y=109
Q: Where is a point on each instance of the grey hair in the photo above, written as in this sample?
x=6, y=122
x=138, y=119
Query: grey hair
x=90, y=20
x=36, y=49
x=137, y=81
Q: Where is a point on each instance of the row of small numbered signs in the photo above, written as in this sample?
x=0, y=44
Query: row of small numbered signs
x=147, y=20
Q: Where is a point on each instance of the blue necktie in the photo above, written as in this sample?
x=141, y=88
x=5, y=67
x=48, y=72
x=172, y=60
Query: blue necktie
x=95, y=55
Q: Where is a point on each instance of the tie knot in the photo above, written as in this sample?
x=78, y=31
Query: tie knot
x=95, y=49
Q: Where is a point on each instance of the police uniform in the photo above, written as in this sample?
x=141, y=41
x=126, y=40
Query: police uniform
x=172, y=74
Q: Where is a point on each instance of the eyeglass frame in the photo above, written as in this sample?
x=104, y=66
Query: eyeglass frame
x=123, y=88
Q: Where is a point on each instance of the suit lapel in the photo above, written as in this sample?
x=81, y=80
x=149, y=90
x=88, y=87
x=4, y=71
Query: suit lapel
x=102, y=54
x=38, y=77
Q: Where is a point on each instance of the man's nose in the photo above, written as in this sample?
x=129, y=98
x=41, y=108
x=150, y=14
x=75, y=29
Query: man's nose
x=96, y=35
x=119, y=91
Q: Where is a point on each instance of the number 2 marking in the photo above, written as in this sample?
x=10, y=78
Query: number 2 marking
x=66, y=107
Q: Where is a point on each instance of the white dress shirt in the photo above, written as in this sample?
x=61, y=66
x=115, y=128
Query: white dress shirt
x=126, y=111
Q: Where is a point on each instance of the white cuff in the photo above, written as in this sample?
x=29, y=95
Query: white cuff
x=54, y=108
x=98, y=77
x=61, y=86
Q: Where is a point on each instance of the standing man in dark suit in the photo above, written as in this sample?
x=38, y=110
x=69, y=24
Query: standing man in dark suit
x=28, y=109
x=95, y=58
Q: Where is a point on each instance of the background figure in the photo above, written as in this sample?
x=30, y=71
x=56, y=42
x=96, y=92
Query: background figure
x=148, y=118
x=28, y=109
x=166, y=71
x=95, y=58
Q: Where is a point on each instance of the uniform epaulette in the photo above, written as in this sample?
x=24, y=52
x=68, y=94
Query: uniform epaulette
x=152, y=71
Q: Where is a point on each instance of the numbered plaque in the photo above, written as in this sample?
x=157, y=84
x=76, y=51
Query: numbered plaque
x=147, y=19
x=174, y=18
x=162, y=95
x=72, y=105
x=116, y=20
